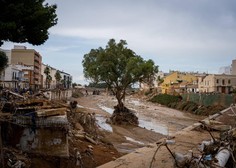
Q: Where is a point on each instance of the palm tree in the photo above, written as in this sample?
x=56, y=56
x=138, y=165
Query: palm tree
x=58, y=77
x=48, y=76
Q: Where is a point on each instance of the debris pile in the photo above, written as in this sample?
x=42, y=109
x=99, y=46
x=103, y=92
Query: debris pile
x=124, y=117
x=216, y=152
x=31, y=124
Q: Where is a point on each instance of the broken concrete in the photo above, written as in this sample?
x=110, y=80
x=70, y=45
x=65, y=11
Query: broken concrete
x=159, y=156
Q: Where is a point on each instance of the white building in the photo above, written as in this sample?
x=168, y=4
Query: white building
x=14, y=76
x=66, y=78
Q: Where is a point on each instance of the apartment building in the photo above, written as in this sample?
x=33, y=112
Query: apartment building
x=217, y=83
x=66, y=79
x=16, y=76
x=31, y=58
x=179, y=82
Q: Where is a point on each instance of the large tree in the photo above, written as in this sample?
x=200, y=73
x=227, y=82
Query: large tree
x=119, y=67
x=3, y=61
x=26, y=21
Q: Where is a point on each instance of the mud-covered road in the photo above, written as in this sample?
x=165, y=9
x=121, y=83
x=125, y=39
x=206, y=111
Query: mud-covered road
x=155, y=121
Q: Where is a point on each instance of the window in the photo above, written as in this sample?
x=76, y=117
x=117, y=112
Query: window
x=229, y=81
x=223, y=82
x=217, y=80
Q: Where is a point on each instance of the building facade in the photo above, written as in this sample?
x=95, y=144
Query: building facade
x=179, y=82
x=31, y=58
x=65, y=82
x=217, y=83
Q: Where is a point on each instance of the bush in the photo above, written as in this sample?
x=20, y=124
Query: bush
x=165, y=99
x=76, y=94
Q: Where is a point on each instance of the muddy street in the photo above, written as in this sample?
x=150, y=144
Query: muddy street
x=155, y=121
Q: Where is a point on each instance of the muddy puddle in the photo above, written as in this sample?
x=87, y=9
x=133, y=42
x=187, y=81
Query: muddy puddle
x=101, y=122
x=106, y=109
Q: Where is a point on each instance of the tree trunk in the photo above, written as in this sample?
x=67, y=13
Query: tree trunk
x=120, y=105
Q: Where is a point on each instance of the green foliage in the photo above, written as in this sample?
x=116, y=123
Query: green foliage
x=160, y=80
x=165, y=99
x=3, y=61
x=98, y=85
x=117, y=66
x=74, y=84
x=68, y=82
x=58, y=76
x=48, y=76
x=26, y=21
x=188, y=106
x=76, y=94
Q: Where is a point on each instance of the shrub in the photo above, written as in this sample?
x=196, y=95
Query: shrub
x=165, y=99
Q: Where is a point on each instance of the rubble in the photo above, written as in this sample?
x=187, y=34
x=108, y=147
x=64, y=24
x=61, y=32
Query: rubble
x=33, y=125
x=124, y=117
x=217, y=152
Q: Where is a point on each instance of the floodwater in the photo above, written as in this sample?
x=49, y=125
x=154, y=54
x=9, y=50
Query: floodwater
x=153, y=125
x=144, y=122
x=106, y=109
x=101, y=121
x=133, y=140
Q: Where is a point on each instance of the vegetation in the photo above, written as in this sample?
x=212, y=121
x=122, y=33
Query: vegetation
x=26, y=21
x=176, y=102
x=77, y=93
x=119, y=67
x=58, y=77
x=165, y=99
x=68, y=82
x=98, y=85
x=3, y=61
x=48, y=77
x=74, y=84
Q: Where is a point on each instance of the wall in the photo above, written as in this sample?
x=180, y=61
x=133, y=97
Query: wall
x=210, y=99
x=58, y=94
x=49, y=141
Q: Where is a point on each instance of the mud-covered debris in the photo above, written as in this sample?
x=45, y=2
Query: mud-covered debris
x=124, y=117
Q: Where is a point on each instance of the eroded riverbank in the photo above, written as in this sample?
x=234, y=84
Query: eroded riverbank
x=155, y=121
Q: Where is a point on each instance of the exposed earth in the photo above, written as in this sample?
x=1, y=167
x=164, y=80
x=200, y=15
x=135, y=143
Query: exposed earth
x=155, y=122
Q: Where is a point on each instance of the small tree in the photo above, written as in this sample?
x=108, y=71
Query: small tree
x=119, y=67
x=68, y=82
x=63, y=83
x=3, y=61
x=48, y=77
x=26, y=21
x=74, y=84
x=58, y=77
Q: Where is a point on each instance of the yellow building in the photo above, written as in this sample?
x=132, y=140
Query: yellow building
x=178, y=82
x=28, y=57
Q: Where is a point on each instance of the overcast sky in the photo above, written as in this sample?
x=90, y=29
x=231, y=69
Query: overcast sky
x=185, y=35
